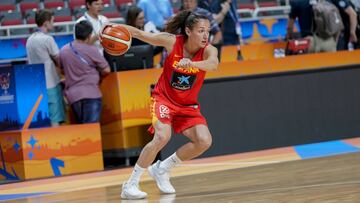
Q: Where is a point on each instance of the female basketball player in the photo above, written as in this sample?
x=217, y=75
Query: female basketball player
x=174, y=99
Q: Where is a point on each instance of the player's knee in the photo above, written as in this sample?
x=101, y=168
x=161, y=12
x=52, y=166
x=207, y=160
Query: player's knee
x=162, y=139
x=162, y=135
x=204, y=142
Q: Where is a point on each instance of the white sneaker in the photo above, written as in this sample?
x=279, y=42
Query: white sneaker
x=161, y=176
x=131, y=190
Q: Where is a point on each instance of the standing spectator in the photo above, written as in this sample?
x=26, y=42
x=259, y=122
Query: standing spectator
x=349, y=18
x=303, y=11
x=215, y=32
x=94, y=7
x=156, y=11
x=230, y=25
x=82, y=64
x=219, y=17
x=41, y=48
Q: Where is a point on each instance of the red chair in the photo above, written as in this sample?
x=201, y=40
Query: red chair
x=267, y=3
x=78, y=12
x=62, y=15
x=76, y=3
x=111, y=12
x=53, y=3
x=12, y=18
x=121, y=2
x=246, y=4
x=8, y=5
x=30, y=16
x=106, y=2
x=29, y=4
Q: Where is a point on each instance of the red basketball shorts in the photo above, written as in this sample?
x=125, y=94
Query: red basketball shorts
x=179, y=117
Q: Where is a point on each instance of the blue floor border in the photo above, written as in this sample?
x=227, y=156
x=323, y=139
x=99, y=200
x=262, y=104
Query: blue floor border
x=324, y=149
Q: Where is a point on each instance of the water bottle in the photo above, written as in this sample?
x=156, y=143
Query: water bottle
x=276, y=53
x=350, y=46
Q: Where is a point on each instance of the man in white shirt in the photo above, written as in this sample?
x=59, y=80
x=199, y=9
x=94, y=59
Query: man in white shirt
x=94, y=7
x=42, y=49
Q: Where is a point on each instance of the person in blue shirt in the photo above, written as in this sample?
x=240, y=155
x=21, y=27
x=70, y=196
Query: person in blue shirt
x=156, y=11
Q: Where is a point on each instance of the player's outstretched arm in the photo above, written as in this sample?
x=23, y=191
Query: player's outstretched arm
x=210, y=61
x=162, y=39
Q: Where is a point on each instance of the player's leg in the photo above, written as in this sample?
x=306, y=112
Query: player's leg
x=162, y=129
x=192, y=124
x=200, y=141
x=161, y=137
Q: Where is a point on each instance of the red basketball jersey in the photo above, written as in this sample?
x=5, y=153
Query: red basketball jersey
x=180, y=86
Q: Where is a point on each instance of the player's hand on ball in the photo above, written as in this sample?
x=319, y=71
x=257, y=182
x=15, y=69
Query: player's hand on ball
x=184, y=63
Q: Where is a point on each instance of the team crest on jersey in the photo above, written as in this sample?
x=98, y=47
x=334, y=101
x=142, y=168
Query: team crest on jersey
x=185, y=70
x=182, y=81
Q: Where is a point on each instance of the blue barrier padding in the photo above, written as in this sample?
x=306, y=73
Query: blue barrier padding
x=22, y=195
x=16, y=48
x=247, y=29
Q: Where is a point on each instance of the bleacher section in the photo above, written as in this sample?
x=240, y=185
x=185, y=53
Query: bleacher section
x=261, y=20
x=112, y=8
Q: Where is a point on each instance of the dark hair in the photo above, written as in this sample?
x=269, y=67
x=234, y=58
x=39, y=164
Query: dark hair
x=132, y=13
x=89, y=2
x=43, y=15
x=83, y=30
x=178, y=23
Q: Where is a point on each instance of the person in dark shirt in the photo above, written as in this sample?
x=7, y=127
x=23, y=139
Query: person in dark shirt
x=301, y=10
x=215, y=29
x=230, y=24
x=349, y=18
x=135, y=17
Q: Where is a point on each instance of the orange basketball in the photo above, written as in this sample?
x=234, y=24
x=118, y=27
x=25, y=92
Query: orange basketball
x=115, y=39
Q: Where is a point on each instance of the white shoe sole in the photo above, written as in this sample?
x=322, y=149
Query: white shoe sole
x=125, y=196
x=152, y=174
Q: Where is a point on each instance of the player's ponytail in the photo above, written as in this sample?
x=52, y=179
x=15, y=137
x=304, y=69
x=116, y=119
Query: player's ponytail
x=178, y=23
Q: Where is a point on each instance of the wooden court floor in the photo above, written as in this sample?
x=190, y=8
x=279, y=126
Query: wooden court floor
x=326, y=179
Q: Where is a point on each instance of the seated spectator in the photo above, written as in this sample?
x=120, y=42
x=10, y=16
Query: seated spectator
x=82, y=64
x=135, y=18
x=349, y=18
x=41, y=48
x=94, y=7
x=156, y=11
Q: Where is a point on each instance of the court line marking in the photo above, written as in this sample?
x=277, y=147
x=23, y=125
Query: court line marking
x=262, y=190
x=231, y=163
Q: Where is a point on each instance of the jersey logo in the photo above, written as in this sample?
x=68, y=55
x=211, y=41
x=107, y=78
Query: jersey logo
x=185, y=70
x=164, y=111
x=182, y=81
